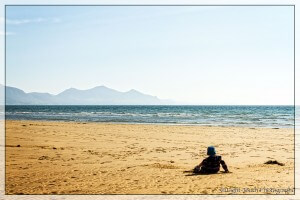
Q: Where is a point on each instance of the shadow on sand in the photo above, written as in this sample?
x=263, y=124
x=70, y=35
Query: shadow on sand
x=191, y=173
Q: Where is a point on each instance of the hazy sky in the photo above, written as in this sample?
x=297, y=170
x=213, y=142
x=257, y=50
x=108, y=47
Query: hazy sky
x=197, y=55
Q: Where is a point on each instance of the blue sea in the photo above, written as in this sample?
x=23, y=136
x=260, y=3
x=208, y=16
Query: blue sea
x=247, y=116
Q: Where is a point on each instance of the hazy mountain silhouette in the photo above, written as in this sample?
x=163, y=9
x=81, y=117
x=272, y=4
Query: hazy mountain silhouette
x=100, y=95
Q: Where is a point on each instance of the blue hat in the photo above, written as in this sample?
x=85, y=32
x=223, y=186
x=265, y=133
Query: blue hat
x=211, y=151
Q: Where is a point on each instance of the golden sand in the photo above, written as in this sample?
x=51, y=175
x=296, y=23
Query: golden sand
x=98, y=158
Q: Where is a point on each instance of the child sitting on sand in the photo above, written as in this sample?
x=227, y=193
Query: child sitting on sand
x=211, y=164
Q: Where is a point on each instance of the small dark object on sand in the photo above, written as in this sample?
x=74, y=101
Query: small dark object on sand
x=274, y=162
x=54, y=147
x=18, y=145
x=44, y=158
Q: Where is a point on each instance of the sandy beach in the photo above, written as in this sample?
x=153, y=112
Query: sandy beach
x=100, y=158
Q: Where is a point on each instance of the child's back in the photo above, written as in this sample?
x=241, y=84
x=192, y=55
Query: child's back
x=211, y=164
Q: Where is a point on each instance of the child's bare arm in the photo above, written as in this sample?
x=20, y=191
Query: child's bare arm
x=224, y=166
x=200, y=165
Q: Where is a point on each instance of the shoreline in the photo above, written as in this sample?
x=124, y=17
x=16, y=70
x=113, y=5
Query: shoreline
x=154, y=124
x=104, y=158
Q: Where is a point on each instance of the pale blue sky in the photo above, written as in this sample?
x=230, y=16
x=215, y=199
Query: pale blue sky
x=197, y=55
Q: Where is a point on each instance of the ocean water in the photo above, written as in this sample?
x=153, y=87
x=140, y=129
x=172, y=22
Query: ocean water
x=248, y=116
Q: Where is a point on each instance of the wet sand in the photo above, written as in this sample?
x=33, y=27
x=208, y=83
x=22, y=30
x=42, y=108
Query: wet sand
x=101, y=158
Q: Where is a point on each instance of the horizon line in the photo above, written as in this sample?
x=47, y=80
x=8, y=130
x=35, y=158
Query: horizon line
x=150, y=105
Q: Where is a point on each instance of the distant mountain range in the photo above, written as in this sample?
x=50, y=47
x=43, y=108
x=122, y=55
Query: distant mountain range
x=100, y=95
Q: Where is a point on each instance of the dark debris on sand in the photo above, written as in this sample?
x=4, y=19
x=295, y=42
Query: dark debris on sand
x=274, y=162
x=44, y=158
